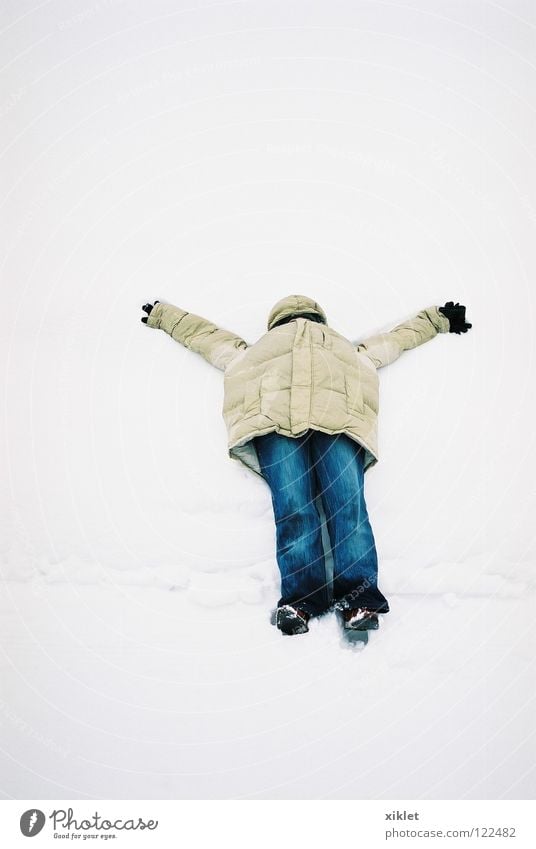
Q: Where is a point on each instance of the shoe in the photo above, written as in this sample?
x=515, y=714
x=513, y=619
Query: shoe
x=291, y=620
x=360, y=619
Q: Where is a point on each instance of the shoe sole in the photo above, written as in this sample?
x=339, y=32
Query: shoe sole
x=366, y=624
x=290, y=623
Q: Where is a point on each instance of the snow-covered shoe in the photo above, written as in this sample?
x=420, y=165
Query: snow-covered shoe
x=291, y=620
x=360, y=619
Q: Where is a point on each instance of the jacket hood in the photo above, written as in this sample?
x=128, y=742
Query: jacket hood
x=294, y=305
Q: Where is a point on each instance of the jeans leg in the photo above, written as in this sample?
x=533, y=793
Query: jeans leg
x=286, y=465
x=338, y=462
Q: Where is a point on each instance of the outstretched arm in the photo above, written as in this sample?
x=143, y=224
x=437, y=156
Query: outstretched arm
x=216, y=345
x=385, y=348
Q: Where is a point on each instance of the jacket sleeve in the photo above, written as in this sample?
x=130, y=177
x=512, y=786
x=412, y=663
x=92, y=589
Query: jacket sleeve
x=216, y=345
x=385, y=348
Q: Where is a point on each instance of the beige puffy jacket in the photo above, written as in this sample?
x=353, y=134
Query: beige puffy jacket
x=300, y=375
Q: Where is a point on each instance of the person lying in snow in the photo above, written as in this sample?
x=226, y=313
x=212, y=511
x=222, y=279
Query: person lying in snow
x=301, y=408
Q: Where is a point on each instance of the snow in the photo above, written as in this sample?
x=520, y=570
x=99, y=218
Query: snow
x=133, y=692
x=377, y=159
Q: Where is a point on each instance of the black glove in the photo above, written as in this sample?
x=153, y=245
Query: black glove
x=455, y=313
x=148, y=308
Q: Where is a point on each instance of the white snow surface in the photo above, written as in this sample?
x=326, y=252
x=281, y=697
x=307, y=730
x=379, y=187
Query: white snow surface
x=377, y=157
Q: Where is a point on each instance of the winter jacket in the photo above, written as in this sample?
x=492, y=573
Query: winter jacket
x=299, y=375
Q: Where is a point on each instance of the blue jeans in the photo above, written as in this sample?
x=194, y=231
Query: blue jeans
x=297, y=469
